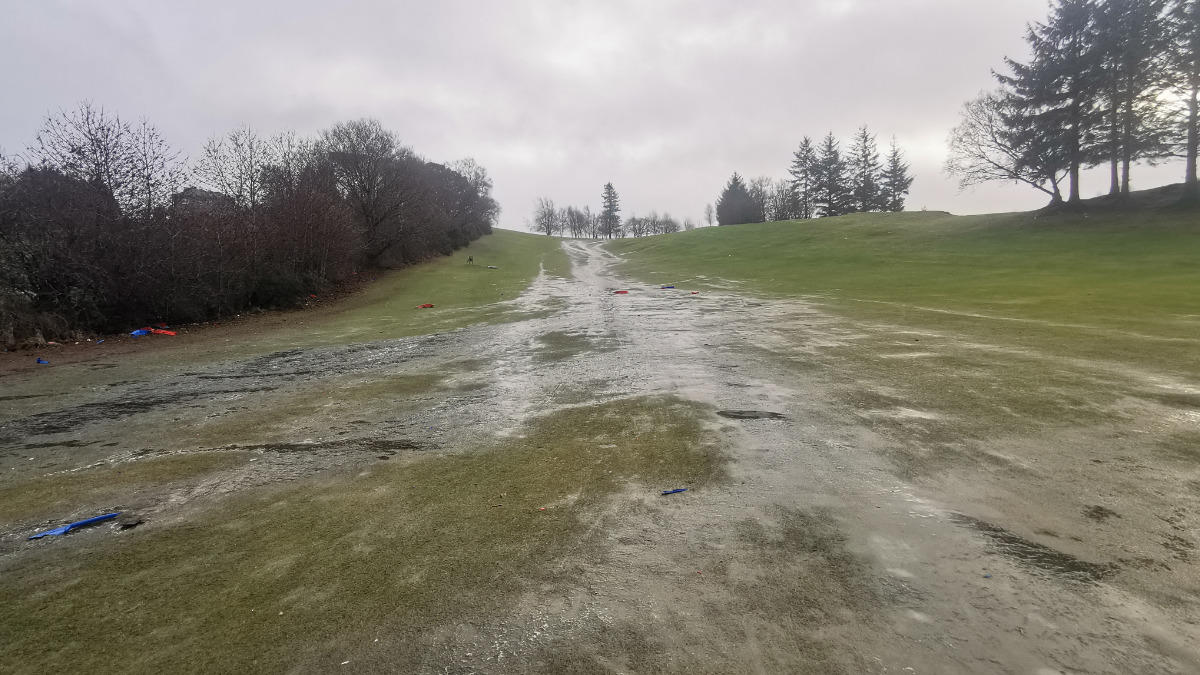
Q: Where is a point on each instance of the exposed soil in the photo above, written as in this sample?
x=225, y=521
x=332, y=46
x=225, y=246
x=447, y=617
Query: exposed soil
x=852, y=528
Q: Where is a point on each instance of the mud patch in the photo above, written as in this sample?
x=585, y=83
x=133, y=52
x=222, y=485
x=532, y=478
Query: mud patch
x=562, y=345
x=24, y=396
x=369, y=445
x=751, y=415
x=1099, y=513
x=1036, y=556
x=73, y=418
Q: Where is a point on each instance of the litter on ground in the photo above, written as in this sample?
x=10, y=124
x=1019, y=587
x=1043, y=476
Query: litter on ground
x=75, y=525
x=427, y=305
x=671, y=492
x=666, y=287
x=620, y=292
x=140, y=332
x=42, y=361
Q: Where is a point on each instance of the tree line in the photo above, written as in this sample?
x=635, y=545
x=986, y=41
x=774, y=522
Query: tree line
x=822, y=182
x=551, y=220
x=103, y=225
x=1107, y=83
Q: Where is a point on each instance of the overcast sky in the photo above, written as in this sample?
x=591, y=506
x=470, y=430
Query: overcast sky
x=663, y=98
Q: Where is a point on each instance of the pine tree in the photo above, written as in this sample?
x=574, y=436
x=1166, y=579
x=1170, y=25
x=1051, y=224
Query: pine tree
x=829, y=187
x=896, y=181
x=610, y=218
x=1056, y=90
x=1185, y=78
x=803, y=172
x=864, y=172
x=735, y=204
x=1130, y=38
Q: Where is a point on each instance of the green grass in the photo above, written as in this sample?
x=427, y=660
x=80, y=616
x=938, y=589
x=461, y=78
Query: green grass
x=1121, y=286
x=378, y=567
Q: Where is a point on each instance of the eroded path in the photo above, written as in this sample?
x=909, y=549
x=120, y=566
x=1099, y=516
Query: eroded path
x=821, y=550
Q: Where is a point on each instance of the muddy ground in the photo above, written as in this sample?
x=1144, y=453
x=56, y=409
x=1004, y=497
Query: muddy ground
x=838, y=523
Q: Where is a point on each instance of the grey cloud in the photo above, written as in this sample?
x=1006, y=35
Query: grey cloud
x=664, y=99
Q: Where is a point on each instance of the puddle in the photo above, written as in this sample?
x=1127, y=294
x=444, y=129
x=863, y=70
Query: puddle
x=1035, y=555
x=751, y=415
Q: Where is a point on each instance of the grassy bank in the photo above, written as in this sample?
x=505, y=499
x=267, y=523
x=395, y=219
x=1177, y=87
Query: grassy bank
x=1120, y=286
x=462, y=295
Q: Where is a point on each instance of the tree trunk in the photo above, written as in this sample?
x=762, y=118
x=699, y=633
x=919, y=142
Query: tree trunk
x=1114, y=146
x=1191, y=190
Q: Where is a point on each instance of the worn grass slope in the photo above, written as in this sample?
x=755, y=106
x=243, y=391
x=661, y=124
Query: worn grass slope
x=379, y=568
x=1098, y=286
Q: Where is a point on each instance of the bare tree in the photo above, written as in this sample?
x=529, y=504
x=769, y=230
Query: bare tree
x=233, y=165
x=545, y=217
x=688, y=224
x=667, y=224
x=760, y=192
x=709, y=216
x=87, y=144
x=156, y=171
x=984, y=147
x=478, y=177
x=366, y=157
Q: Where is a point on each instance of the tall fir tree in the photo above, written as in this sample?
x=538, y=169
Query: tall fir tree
x=864, y=173
x=1057, y=90
x=1185, y=80
x=1131, y=37
x=830, y=194
x=610, y=214
x=804, y=172
x=896, y=180
x=735, y=205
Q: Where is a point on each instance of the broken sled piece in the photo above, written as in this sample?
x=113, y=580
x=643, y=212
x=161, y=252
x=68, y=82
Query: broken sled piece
x=75, y=525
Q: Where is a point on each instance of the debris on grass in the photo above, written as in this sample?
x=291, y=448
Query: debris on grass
x=751, y=415
x=75, y=525
x=428, y=305
x=671, y=492
x=664, y=287
x=620, y=292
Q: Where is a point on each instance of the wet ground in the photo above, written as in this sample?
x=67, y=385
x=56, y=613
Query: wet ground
x=854, y=528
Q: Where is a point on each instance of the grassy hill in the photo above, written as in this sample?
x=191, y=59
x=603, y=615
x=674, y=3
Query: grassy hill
x=1115, y=285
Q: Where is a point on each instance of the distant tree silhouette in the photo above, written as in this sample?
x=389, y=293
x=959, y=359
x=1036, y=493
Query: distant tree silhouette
x=803, y=172
x=610, y=212
x=865, y=173
x=735, y=204
x=896, y=181
x=830, y=191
